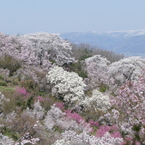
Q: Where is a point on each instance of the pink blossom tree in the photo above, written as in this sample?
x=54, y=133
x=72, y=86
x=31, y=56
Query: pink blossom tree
x=130, y=105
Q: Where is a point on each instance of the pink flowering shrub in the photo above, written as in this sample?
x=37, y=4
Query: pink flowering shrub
x=74, y=115
x=113, y=130
x=22, y=91
x=93, y=123
x=59, y=105
x=39, y=98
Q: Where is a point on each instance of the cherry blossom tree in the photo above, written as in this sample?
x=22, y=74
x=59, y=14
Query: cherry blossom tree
x=52, y=45
x=126, y=69
x=97, y=102
x=129, y=108
x=38, y=49
x=97, y=68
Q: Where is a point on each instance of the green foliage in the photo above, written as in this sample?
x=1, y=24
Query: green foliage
x=41, y=93
x=78, y=68
x=17, y=102
x=52, y=60
x=103, y=88
x=30, y=101
x=57, y=129
x=40, y=74
x=6, y=89
x=28, y=84
x=23, y=102
x=1, y=77
x=15, y=82
x=49, y=101
x=6, y=131
x=10, y=63
x=85, y=53
x=136, y=127
x=20, y=125
x=3, y=83
x=91, y=114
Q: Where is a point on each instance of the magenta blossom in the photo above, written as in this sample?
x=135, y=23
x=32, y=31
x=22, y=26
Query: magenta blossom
x=59, y=105
x=39, y=98
x=74, y=116
x=22, y=91
x=113, y=130
x=93, y=123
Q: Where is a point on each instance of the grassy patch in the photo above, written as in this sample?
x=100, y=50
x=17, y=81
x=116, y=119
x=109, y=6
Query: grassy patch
x=1, y=77
x=10, y=63
x=3, y=83
x=6, y=88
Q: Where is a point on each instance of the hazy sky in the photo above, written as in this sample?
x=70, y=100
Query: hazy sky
x=56, y=16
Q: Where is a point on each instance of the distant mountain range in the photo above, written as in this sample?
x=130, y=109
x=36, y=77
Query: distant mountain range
x=129, y=43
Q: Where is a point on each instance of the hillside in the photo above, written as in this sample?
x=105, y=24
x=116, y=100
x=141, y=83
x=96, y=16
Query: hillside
x=129, y=43
x=51, y=94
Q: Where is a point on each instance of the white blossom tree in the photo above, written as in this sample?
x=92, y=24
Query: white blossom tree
x=67, y=85
x=38, y=49
x=126, y=69
x=37, y=112
x=73, y=138
x=98, y=102
x=58, y=49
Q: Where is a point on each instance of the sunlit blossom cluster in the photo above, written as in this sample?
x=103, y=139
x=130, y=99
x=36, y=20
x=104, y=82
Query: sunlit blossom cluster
x=66, y=84
x=97, y=68
x=71, y=137
x=126, y=69
x=98, y=101
x=37, y=49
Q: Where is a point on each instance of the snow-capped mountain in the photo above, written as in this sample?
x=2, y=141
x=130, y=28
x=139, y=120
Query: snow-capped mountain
x=130, y=42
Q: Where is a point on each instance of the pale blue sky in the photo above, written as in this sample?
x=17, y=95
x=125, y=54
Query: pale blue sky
x=56, y=16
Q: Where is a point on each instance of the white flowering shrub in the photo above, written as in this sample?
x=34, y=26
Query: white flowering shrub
x=2, y=99
x=37, y=112
x=85, y=139
x=98, y=102
x=27, y=139
x=4, y=140
x=67, y=84
x=27, y=74
x=126, y=69
x=11, y=116
x=5, y=73
x=53, y=115
x=113, y=115
x=61, y=142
